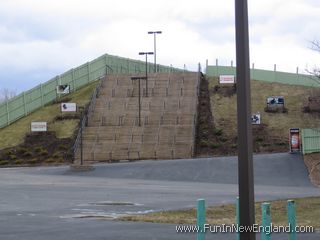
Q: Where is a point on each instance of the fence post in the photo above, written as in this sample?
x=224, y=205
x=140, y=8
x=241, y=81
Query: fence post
x=73, y=81
x=88, y=71
x=58, y=80
x=217, y=67
x=8, y=114
x=265, y=221
x=291, y=219
x=252, y=71
x=207, y=63
x=238, y=217
x=201, y=218
x=24, y=104
x=41, y=92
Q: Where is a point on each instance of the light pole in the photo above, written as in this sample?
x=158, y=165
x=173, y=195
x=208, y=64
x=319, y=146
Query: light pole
x=245, y=162
x=154, y=49
x=146, y=53
x=139, y=98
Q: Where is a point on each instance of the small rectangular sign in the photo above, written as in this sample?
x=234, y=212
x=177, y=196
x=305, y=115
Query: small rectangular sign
x=256, y=119
x=294, y=140
x=63, y=89
x=275, y=100
x=226, y=79
x=38, y=126
x=68, y=107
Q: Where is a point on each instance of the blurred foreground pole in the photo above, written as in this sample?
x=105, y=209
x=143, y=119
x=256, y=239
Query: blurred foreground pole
x=245, y=163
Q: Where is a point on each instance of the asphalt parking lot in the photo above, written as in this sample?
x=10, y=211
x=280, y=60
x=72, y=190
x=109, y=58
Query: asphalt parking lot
x=57, y=203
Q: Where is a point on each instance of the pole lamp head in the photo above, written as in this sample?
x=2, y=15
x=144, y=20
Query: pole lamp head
x=146, y=53
x=154, y=32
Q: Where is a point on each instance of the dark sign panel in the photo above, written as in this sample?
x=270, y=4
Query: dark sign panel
x=63, y=89
x=279, y=100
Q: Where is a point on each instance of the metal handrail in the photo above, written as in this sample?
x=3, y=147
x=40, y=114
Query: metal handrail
x=87, y=114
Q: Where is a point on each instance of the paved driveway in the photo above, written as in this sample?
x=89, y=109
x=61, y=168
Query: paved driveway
x=55, y=203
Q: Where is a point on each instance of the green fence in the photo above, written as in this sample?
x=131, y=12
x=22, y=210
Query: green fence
x=268, y=76
x=45, y=93
x=310, y=140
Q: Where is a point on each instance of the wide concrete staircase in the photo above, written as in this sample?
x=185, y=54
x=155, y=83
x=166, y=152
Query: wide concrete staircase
x=167, y=121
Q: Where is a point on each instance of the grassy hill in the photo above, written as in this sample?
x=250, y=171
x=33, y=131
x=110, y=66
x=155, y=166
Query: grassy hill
x=18, y=147
x=272, y=134
x=217, y=130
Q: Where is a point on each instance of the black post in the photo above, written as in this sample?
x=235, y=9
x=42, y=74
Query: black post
x=139, y=104
x=146, y=75
x=146, y=53
x=245, y=162
x=139, y=97
x=81, y=142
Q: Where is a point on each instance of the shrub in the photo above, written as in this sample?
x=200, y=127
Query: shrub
x=27, y=154
x=203, y=143
x=50, y=160
x=223, y=139
x=4, y=162
x=281, y=143
x=62, y=147
x=22, y=150
x=9, y=152
x=38, y=149
x=12, y=157
x=215, y=145
x=218, y=131
x=55, y=155
x=265, y=144
x=61, y=160
x=33, y=161
x=259, y=139
x=19, y=162
x=44, y=152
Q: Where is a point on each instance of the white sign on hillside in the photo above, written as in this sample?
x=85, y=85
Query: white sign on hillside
x=68, y=107
x=38, y=126
x=225, y=79
x=256, y=119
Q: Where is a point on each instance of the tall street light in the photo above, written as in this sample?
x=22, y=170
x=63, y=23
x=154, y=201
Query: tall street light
x=139, y=98
x=154, y=49
x=245, y=161
x=146, y=53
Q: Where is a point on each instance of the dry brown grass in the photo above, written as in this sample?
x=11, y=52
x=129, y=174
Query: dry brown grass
x=312, y=162
x=224, y=109
x=307, y=212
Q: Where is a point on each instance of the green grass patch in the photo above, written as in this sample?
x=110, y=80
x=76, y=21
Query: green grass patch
x=14, y=134
x=307, y=210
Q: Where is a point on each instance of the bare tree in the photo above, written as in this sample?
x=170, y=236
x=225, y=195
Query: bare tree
x=6, y=94
x=315, y=45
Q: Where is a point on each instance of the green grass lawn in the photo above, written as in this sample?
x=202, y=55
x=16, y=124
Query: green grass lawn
x=307, y=212
x=14, y=134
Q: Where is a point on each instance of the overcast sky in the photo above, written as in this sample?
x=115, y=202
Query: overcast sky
x=40, y=39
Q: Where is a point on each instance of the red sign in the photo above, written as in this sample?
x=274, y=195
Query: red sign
x=294, y=139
